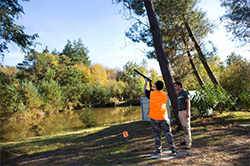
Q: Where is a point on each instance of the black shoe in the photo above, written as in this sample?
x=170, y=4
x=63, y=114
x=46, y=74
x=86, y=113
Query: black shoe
x=155, y=154
x=174, y=152
x=183, y=143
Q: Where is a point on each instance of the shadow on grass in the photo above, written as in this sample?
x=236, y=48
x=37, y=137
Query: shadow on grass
x=106, y=147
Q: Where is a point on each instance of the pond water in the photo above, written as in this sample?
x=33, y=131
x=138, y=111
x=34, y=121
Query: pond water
x=66, y=121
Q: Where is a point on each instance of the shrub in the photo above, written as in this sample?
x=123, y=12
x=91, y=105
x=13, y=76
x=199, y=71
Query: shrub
x=72, y=95
x=225, y=99
x=209, y=97
x=51, y=94
x=30, y=96
x=244, y=99
x=86, y=97
x=101, y=95
x=11, y=100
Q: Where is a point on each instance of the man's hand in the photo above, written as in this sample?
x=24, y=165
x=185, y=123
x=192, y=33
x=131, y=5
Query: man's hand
x=146, y=85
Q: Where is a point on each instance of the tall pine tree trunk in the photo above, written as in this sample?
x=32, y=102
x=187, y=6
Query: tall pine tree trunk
x=195, y=71
x=201, y=56
x=162, y=57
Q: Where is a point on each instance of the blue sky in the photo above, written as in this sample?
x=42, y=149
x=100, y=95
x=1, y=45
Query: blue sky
x=101, y=29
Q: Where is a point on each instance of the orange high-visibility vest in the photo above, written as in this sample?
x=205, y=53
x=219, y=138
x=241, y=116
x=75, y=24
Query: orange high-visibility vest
x=157, y=105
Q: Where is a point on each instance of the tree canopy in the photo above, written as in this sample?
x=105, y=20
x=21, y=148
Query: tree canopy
x=237, y=19
x=46, y=82
x=11, y=32
x=77, y=52
x=171, y=16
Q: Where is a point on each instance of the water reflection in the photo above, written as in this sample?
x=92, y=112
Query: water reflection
x=70, y=121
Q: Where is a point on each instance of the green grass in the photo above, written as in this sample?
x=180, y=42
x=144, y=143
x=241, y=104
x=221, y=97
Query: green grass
x=105, y=145
x=202, y=136
x=47, y=143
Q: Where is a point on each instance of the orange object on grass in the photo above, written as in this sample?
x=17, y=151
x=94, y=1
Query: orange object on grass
x=125, y=134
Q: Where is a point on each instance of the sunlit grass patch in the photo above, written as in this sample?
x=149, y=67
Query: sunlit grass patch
x=224, y=119
x=235, y=115
x=219, y=139
x=200, y=136
x=47, y=143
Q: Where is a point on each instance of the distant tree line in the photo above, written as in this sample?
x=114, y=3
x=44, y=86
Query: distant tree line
x=52, y=82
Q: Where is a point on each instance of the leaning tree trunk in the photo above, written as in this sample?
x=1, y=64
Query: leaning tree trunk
x=202, y=57
x=162, y=57
x=196, y=73
x=195, y=70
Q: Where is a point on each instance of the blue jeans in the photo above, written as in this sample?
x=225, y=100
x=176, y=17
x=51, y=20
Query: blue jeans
x=157, y=126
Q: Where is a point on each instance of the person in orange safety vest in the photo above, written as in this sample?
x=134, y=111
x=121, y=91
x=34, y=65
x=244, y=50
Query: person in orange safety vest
x=159, y=117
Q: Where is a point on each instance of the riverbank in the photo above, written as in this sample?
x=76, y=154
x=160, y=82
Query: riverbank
x=217, y=140
x=67, y=121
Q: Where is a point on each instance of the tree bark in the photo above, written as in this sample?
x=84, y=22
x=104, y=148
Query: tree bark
x=195, y=71
x=162, y=57
x=201, y=56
